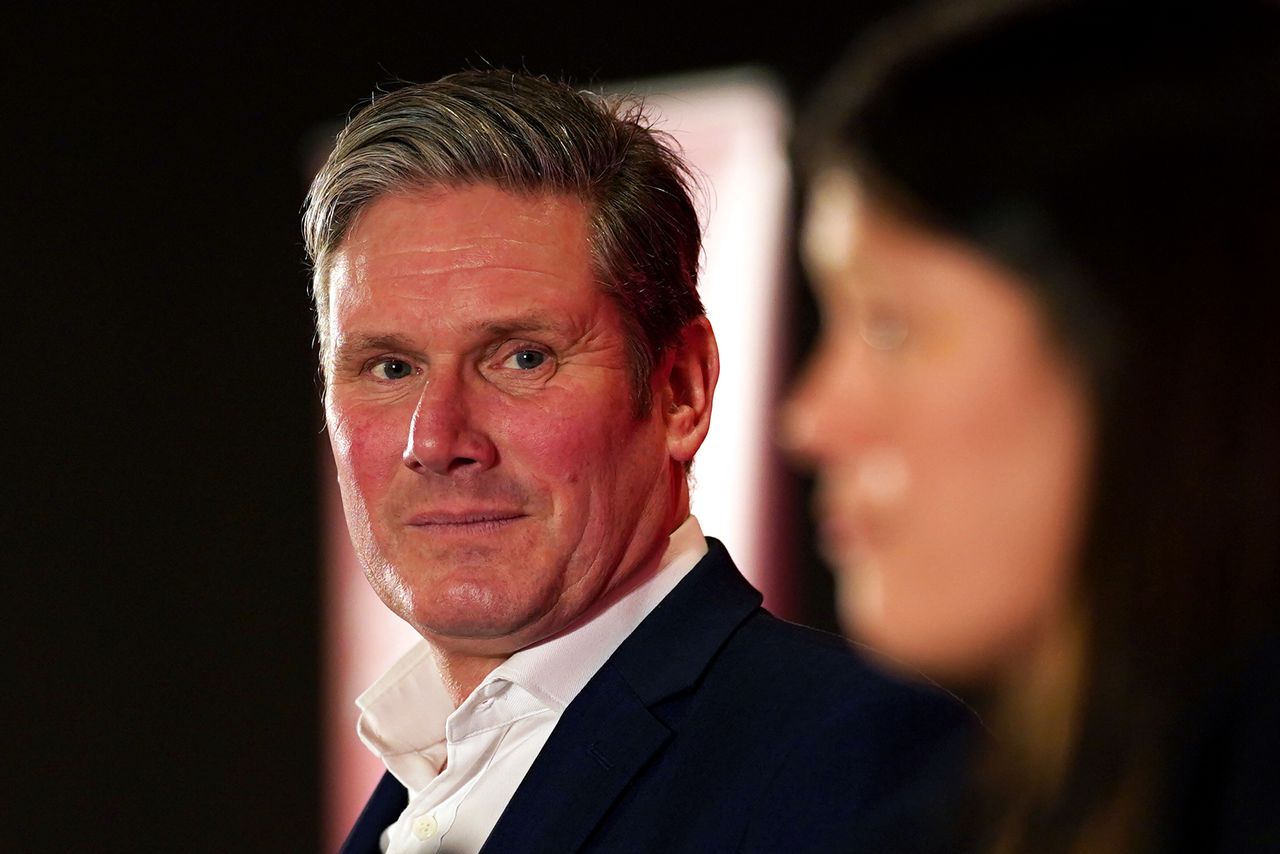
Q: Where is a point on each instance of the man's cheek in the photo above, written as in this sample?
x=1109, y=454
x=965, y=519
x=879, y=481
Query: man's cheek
x=368, y=439
x=555, y=441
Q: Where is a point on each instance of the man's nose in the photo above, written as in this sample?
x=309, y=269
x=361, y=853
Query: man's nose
x=444, y=437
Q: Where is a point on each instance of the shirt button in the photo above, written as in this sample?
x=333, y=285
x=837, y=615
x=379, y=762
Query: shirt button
x=425, y=826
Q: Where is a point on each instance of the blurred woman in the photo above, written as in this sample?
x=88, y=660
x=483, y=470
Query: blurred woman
x=1044, y=411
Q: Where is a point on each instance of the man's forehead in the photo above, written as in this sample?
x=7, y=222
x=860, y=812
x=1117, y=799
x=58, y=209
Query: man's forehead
x=471, y=212
x=455, y=230
x=478, y=259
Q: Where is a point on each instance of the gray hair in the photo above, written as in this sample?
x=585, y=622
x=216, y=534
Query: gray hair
x=529, y=135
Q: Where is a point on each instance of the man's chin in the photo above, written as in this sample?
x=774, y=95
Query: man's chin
x=488, y=634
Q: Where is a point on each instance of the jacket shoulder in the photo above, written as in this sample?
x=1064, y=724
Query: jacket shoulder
x=819, y=664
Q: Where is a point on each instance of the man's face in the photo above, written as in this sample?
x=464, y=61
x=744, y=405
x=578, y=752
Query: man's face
x=495, y=477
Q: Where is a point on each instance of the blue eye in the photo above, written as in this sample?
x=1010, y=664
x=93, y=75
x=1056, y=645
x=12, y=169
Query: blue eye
x=527, y=360
x=393, y=369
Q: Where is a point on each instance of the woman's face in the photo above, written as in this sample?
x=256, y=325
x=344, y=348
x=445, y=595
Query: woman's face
x=951, y=439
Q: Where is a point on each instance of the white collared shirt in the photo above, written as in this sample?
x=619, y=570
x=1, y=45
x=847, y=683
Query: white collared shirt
x=491, y=740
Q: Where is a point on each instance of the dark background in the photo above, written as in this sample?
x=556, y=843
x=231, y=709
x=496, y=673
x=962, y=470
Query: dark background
x=162, y=419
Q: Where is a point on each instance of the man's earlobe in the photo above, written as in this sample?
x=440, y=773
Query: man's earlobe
x=690, y=387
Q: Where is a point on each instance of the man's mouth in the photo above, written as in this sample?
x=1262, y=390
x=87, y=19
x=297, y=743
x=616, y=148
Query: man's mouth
x=464, y=521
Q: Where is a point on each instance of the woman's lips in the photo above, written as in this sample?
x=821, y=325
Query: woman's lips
x=838, y=537
x=845, y=534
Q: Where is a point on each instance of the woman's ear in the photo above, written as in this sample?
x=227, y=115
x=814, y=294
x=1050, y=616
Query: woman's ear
x=688, y=389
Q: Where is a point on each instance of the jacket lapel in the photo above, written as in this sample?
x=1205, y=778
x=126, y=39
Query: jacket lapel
x=380, y=812
x=610, y=731
x=602, y=740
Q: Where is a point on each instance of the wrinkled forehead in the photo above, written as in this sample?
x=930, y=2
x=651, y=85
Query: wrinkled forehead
x=473, y=221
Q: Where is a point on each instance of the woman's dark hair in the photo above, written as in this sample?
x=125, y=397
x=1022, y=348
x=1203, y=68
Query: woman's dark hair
x=1126, y=162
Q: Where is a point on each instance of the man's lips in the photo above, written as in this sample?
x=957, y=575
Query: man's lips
x=469, y=521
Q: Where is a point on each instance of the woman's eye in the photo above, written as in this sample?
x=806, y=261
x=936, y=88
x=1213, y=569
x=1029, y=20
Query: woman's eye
x=526, y=360
x=884, y=329
x=392, y=369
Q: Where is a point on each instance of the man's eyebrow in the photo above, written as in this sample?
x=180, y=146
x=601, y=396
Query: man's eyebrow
x=523, y=323
x=369, y=343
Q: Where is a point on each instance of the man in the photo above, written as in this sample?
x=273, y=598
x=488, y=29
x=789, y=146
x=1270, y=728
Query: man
x=518, y=375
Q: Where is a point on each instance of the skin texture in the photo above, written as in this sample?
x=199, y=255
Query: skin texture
x=497, y=484
x=951, y=439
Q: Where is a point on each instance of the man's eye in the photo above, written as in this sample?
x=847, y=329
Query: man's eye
x=392, y=369
x=526, y=360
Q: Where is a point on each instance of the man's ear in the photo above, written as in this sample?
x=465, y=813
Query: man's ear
x=689, y=386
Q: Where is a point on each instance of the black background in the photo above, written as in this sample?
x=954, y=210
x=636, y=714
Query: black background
x=162, y=425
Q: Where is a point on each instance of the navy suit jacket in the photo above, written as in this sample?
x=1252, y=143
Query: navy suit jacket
x=718, y=727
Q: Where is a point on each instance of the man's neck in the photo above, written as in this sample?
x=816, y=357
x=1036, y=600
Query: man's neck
x=461, y=673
